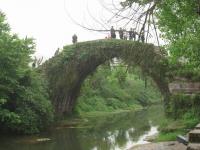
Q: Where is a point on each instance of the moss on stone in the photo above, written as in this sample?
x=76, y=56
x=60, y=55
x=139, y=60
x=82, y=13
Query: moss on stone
x=67, y=71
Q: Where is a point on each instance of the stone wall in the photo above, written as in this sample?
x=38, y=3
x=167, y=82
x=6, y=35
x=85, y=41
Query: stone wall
x=184, y=87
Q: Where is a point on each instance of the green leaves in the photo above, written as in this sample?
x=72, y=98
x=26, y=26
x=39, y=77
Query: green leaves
x=4, y=27
x=24, y=102
x=2, y=101
x=179, y=23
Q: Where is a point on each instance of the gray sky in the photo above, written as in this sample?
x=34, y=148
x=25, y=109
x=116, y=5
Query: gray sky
x=48, y=22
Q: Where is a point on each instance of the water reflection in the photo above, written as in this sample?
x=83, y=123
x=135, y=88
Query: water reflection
x=116, y=132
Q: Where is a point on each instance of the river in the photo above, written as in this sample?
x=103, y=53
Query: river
x=114, y=132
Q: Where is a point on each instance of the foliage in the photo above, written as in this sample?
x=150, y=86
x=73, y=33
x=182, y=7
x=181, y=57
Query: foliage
x=111, y=89
x=169, y=136
x=182, y=71
x=184, y=114
x=181, y=104
x=24, y=104
x=179, y=23
x=170, y=128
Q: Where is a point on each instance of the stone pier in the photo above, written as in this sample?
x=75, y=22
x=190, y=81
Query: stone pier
x=194, y=139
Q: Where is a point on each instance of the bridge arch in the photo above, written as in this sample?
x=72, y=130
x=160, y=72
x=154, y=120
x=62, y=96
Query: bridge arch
x=67, y=71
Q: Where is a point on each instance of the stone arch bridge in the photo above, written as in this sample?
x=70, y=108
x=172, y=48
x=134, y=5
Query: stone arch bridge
x=67, y=71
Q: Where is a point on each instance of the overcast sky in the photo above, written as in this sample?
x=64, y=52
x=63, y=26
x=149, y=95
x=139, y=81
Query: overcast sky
x=48, y=21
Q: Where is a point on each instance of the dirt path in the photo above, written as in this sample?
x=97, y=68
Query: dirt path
x=160, y=146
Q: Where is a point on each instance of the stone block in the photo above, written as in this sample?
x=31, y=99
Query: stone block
x=194, y=136
x=184, y=87
x=197, y=126
x=193, y=146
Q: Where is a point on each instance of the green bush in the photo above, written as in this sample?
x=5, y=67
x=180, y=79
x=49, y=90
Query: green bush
x=24, y=102
x=180, y=104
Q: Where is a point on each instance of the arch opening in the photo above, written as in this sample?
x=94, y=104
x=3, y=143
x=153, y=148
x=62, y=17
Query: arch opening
x=115, y=87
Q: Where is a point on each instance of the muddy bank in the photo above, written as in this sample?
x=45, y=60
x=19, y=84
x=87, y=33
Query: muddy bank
x=160, y=146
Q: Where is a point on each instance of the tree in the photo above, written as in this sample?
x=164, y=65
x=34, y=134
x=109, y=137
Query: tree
x=179, y=23
x=24, y=104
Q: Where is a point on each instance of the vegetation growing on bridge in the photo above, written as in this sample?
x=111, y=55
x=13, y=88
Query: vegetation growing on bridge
x=67, y=71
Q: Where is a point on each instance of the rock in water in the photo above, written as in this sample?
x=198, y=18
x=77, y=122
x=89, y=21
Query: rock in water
x=43, y=140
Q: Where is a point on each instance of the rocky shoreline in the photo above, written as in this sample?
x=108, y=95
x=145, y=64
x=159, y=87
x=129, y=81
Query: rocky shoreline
x=173, y=145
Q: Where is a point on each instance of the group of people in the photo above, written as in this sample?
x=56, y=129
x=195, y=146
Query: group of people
x=123, y=34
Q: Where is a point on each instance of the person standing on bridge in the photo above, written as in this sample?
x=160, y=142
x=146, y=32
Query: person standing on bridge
x=112, y=33
x=74, y=39
x=130, y=34
x=142, y=37
x=125, y=35
x=121, y=33
x=133, y=34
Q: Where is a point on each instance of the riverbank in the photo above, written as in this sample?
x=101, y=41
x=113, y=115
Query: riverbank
x=168, y=131
x=119, y=130
x=160, y=146
x=170, y=128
